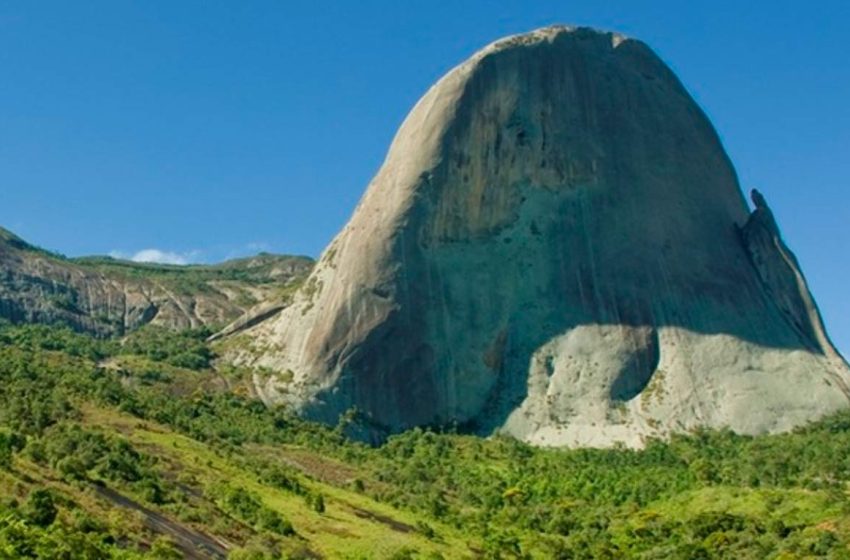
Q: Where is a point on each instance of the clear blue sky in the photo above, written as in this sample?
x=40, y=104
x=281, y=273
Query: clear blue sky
x=209, y=129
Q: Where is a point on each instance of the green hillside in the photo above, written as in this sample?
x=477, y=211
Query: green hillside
x=143, y=449
x=261, y=269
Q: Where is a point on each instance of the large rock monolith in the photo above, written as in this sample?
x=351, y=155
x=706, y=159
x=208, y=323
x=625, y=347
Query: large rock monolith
x=556, y=247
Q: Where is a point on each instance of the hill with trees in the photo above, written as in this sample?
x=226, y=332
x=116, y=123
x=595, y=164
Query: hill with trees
x=148, y=448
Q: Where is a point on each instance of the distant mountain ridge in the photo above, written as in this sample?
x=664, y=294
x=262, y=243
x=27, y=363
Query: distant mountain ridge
x=107, y=297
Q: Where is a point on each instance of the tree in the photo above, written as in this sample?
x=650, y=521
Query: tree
x=39, y=507
x=5, y=452
x=271, y=520
x=319, y=503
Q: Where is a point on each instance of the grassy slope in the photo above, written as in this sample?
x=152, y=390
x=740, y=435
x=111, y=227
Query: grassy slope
x=338, y=532
x=252, y=270
x=352, y=525
x=177, y=442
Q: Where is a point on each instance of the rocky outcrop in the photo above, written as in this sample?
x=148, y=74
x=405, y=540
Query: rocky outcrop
x=556, y=247
x=786, y=286
x=110, y=297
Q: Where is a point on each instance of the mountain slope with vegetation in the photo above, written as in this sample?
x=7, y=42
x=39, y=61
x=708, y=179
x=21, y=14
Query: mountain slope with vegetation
x=148, y=448
x=106, y=296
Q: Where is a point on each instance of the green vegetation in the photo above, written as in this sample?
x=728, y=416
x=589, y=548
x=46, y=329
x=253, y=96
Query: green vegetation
x=247, y=506
x=138, y=449
x=9, y=238
x=186, y=349
x=196, y=279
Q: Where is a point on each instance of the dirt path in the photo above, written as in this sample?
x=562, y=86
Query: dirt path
x=194, y=544
x=393, y=524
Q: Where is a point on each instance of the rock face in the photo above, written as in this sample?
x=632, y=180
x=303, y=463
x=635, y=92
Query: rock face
x=110, y=297
x=556, y=247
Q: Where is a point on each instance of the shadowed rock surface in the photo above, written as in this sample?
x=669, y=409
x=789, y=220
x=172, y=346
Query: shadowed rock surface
x=105, y=296
x=557, y=247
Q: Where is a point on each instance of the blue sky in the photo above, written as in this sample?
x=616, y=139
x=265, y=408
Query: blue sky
x=209, y=129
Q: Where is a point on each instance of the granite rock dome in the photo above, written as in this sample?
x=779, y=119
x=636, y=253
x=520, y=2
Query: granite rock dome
x=556, y=247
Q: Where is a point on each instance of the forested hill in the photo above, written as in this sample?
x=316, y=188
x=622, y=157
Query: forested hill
x=144, y=449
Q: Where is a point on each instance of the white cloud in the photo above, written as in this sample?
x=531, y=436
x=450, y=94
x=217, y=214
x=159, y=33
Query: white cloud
x=248, y=250
x=160, y=257
x=258, y=247
x=157, y=256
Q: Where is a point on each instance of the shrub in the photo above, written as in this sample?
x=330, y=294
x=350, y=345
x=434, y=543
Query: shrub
x=270, y=520
x=39, y=508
